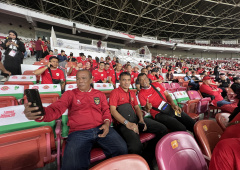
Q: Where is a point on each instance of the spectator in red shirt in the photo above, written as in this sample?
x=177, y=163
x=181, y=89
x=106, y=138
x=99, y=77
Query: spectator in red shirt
x=39, y=49
x=114, y=78
x=150, y=98
x=164, y=69
x=83, y=60
x=152, y=76
x=206, y=88
x=100, y=75
x=57, y=76
x=128, y=125
x=73, y=70
x=108, y=70
x=49, y=55
x=89, y=120
x=133, y=75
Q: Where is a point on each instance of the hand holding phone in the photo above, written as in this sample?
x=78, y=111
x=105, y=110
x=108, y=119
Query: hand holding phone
x=34, y=98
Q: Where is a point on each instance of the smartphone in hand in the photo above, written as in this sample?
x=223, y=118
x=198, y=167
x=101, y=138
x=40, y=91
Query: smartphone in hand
x=33, y=96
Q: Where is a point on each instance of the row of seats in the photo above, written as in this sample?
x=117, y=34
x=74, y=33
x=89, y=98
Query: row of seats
x=33, y=148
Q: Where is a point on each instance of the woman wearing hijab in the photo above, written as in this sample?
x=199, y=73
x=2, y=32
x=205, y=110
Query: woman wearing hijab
x=14, y=50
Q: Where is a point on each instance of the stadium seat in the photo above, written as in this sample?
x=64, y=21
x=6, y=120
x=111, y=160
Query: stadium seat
x=46, y=98
x=123, y=162
x=203, y=104
x=178, y=87
x=222, y=120
x=208, y=133
x=8, y=101
x=27, y=149
x=190, y=107
x=179, y=150
x=230, y=94
x=24, y=83
x=70, y=64
x=71, y=82
x=168, y=87
x=31, y=72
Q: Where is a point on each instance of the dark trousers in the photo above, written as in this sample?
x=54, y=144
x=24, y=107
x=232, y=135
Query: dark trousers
x=39, y=54
x=175, y=123
x=132, y=139
x=235, y=112
x=195, y=86
x=79, y=144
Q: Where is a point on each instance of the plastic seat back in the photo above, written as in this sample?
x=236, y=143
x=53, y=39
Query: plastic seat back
x=203, y=105
x=193, y=94
x=40, y=63
x=175, y=85
x=8, y=101
x=179, y=150
x=230, y=94
x=27, y=149
x=208, y=133
x=31, y=72
x=123, y=162
x=46, y=98
x=166, y=85
x=222, y=120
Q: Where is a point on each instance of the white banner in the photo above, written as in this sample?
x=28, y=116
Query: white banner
x=71, y=78
x=31, y=78
x=103, y=86
x=47, y=88
x=180, y=94
x=12, y=90
x=70, y=87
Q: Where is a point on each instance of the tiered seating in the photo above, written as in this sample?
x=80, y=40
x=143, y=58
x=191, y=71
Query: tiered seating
x=179, y=150
x=46, y=98
x=178, y=87
x=24, y=83
x=168, y=87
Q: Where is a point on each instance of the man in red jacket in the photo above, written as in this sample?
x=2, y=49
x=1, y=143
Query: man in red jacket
x=207, y=88
x=88, y=118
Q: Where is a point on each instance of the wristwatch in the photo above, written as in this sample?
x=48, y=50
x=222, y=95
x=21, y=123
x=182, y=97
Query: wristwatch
x=125, y=122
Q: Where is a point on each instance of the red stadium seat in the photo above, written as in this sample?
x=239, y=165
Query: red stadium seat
x=222, y=120
x=180, y=81
x=208, y=133
x=46, y=98
x=178, y=87
x=230, y=94
x=123, y=162
x=179, y=150
x=190, y=107
x=8, y=101
x=168, y=87
x=27, y=149
x=71, y=82
x=24, y=83
x=70, y=64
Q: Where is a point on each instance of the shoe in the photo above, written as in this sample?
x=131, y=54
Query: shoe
x=4, y=79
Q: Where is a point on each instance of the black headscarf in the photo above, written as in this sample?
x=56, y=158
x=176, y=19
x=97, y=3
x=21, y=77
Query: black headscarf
x=14, y=32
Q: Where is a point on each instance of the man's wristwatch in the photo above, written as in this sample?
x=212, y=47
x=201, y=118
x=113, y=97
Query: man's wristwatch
x=125, y=122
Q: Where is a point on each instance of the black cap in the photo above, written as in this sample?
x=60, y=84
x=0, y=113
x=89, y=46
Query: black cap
x=154, y=70
x=221, y=74
x=236, y=78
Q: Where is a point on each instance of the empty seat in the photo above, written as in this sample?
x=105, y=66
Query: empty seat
x=27, y=149
x=123, y=162
x=230, y=94
x=179, y=150
x=190, y=107
x=8, y=101
x=222, y=120
x=208, y=133
x=178, y=87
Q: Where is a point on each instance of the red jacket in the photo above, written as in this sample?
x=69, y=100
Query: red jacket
x=86, y=110
x=209, y=90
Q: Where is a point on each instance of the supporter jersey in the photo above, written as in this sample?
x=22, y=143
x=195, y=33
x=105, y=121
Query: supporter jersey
x=152, y=77
x=74, y=72
x=109, y=72
x=48, y=56
x=160, y=77
x=152, y=96
x=164, y=70
x=117, y=75
x=56, y=74
x=133, y=76
x=97, y=75
x=119, y=96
